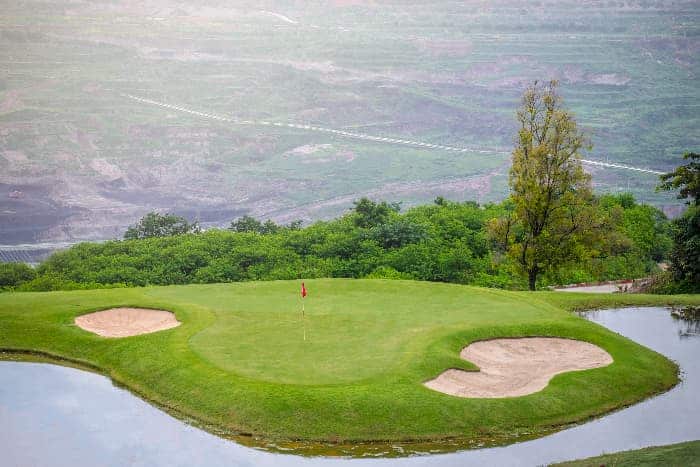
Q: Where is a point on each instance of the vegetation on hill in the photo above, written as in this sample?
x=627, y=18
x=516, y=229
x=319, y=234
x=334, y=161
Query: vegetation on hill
x=551, y=229
x=443, y=242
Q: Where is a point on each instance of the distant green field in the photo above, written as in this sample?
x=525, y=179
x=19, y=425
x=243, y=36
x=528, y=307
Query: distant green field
x=239, y=364
x=674, y=455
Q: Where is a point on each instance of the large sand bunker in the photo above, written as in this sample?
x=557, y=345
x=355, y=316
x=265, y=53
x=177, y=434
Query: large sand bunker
x=516, y=367
x=124, y=322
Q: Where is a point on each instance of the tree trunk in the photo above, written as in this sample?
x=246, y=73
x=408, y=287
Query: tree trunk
x=532, y=278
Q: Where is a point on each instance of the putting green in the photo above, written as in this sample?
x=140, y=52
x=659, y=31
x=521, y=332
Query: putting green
x=354, y=333
x=239, y=362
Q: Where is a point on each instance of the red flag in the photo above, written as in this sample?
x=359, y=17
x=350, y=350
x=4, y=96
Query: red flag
x=303, y=290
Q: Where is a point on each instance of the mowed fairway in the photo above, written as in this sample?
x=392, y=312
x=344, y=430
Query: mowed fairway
x=238, y=361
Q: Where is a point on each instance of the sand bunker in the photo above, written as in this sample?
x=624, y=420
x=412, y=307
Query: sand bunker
x=516, y=367
x=124, y=322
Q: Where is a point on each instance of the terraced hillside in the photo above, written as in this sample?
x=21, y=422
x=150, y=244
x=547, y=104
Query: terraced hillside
x=79, y=160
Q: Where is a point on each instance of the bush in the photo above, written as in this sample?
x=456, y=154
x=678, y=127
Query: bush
x=51, y=282
x=14, y=274
x=387, y=272
x=160, y=225
x=685, y=257
x=664, y=283
x=444, y=242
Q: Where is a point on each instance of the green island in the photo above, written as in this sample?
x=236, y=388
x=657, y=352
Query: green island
x=238, y=365
x=361, y=228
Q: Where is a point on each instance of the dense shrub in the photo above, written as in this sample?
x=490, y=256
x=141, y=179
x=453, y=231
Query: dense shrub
x=685, y=254
x=445, y=241
x=14, y=274
x=50, y=282
x=154, y=224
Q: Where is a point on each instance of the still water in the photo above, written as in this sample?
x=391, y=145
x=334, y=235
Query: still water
x=57, y=416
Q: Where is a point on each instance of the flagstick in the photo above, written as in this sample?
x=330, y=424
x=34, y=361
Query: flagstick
x=302, y=317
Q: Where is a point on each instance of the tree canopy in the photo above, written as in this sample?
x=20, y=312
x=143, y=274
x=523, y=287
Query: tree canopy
x=371, y=214
x=154, y=224
x=685, y=254
x=685, y=179
x=551, y=218
x=251, y=224
x=13, y=274
x=446, y=241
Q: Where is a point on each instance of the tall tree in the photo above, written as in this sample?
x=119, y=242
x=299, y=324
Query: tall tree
x=552, y=220
x=685, y=255
x=685, y=179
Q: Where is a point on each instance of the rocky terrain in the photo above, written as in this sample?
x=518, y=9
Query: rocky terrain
x=80, y=161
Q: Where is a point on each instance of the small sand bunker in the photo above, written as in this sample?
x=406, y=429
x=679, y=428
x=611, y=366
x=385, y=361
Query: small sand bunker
x=516, y=367
x=125, y=322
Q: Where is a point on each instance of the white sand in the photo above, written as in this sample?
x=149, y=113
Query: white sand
x=516, y=367
x=124, y=322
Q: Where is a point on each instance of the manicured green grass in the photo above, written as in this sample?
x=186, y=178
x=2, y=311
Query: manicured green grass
x=681, y=455
x=239, y=362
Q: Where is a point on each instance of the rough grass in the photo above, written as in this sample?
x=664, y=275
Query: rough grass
x=681, y=454
x=239, y=363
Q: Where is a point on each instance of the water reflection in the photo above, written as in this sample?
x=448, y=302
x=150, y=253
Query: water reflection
x=688, y=320
x=57, y=416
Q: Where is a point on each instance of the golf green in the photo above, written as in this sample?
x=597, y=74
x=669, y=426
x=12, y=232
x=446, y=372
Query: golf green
x=239, y=363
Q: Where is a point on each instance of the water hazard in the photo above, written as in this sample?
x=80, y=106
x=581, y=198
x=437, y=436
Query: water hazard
x=57, y=416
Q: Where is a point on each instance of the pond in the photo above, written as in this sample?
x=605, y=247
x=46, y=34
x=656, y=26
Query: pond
x=57, y=416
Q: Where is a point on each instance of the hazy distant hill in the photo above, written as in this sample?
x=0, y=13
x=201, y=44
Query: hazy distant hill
x=80, y=161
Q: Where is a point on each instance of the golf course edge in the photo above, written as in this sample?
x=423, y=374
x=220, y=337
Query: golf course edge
x=337, y=445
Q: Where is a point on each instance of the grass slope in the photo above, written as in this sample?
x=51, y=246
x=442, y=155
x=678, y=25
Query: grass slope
x=681, y=454
x=238, y=363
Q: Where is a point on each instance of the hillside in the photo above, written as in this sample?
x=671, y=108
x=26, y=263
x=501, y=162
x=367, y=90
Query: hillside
x=80, y=160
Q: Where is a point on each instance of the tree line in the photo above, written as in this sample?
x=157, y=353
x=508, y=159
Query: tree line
x=445, y=241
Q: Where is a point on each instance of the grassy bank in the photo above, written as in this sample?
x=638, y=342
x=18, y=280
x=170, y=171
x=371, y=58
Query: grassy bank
x=239, y=363
x=681, y=454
